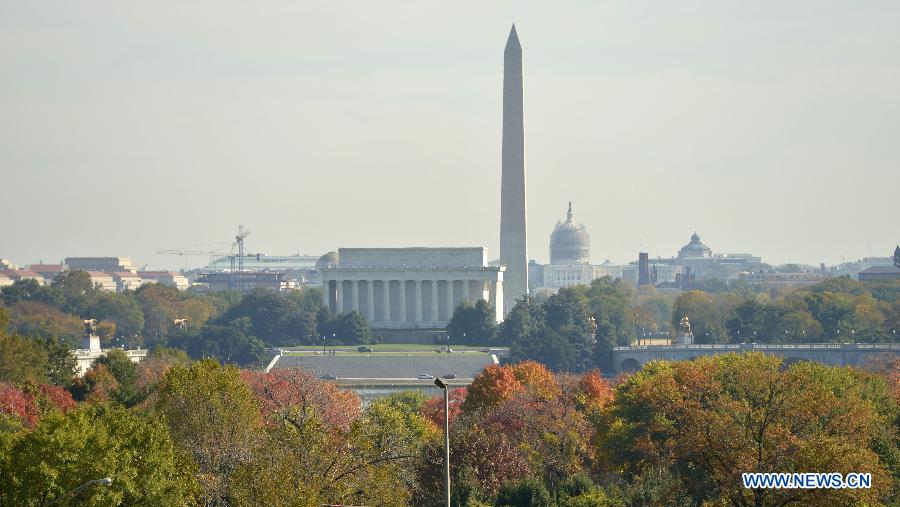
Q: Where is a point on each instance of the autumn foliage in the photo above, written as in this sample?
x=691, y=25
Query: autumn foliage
x=515, y=422
x=711, y=419
x=28, y=404
x=281, y=391
x=433, y=409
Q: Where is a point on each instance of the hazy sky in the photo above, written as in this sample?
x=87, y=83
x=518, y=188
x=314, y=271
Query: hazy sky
x=769, y=127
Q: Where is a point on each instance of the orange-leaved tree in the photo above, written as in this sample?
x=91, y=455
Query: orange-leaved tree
x=711, y=419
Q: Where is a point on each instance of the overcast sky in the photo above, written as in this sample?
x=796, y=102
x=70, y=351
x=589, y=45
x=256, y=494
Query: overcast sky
x=769, y=127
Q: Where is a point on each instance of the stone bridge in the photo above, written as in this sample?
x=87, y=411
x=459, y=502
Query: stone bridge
x=629, y=359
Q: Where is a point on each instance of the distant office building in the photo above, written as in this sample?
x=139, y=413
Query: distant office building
x=854, y=268
x=558, y=276
x=108, y=264
x=535, y=275
x=783, y=279
x=292, y=270
x=262, y=262
x=126, y=280
x=883, y=272
x=609, y=269
x=23, y=274
x=243, y=282
x=5, y=280
x=102, y=280
x=169, y=278
x=403, y=288
x=48, y=271
x=879, y=273
x=7, y=264
x=694, y=260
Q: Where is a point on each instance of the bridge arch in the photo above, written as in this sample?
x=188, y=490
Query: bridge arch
x=629, y=365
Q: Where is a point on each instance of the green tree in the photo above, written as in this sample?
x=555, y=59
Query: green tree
x=707, y=315
x=92, y=442
x=214, y=417
x=21, y=359
x=567, y=308
x=524, y=323
x=31, y=290
x=76, y=290
x=61, y=364
x=162, y=305
x=473, y=325
x=659, y=307
x=276, y=319
x=349, y=328
x=750, y=321
x=227, y=344
x=126, y=374
x=525, y=493
x=39, y=320
x=551, y=348
x=123, y=311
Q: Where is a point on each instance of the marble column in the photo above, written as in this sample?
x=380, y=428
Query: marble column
x=492, y=291
x=434, y=301
x=386, y=286
x=370, y=300
x=326, y=295
x=465, y=290
x=402, y=300
x=355, y=288
x=450, y=305
x=418, y=300
x=339, y=296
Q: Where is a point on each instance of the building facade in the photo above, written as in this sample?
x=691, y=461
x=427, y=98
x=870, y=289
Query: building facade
x=108, y=264
x=397, y=288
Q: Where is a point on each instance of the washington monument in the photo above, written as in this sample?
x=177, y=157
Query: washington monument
x=513, y=249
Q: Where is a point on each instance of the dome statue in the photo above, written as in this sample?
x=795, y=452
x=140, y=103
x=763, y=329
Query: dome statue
x=329, y=260
x=570, y=243
x=695, y=249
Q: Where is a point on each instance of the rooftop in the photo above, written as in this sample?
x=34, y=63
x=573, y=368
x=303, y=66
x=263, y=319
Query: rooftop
x=465, y=365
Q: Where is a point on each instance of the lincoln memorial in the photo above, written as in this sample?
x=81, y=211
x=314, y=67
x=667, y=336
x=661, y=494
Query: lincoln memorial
x=410, y=287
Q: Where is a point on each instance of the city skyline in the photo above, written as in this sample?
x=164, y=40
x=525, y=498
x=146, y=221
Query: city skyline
x=149, y=133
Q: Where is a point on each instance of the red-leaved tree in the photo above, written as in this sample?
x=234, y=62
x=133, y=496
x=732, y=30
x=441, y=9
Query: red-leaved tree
x=282, y=391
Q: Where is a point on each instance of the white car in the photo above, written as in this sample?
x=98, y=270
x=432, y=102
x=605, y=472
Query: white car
x=425, y=376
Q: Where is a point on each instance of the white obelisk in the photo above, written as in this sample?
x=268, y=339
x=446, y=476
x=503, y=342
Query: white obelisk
x=513, y=248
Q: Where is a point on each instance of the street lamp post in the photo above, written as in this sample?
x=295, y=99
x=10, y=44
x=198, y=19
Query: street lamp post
x=440, y=383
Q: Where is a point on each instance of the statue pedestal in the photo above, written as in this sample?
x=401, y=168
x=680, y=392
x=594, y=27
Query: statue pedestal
x=685, y=339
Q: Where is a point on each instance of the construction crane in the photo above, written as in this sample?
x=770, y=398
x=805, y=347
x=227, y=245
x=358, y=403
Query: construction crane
x=239, y=242
x=236, y=277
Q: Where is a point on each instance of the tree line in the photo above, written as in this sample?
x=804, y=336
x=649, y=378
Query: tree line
x=172, y=431
x=226, y=325
x=576, y=328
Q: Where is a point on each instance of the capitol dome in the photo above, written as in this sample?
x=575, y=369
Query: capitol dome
x=695, y=249
x=329, y=260
x=570, y=242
